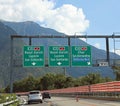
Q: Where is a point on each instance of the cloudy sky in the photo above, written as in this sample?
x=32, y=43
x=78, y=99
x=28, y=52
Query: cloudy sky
x=94, y=17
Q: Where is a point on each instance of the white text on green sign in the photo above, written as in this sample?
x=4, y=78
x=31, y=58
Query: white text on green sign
x=59, y=56
x=81, y=56
x=33, y=56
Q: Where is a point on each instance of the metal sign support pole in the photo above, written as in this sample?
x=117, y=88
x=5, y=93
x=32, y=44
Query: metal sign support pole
x=69, y=44
x=11, y=66
x=107, y=51
x=30, y=41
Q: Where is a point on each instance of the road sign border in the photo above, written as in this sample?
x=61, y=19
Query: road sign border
x=49, y=56
x=71, y=56
x=31, y=65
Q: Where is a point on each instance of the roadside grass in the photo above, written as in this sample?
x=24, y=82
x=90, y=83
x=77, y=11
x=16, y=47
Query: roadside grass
x=4, y=97
x=15, y=104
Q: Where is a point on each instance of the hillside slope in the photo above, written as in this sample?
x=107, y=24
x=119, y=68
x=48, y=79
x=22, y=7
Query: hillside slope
x=5, y=33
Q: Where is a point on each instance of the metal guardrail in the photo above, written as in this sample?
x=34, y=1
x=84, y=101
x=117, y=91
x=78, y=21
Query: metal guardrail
x=101, y=96
x=108, y=91
x=8, y=103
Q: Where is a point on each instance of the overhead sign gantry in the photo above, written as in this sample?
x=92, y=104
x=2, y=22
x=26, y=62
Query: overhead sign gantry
x=86, y=58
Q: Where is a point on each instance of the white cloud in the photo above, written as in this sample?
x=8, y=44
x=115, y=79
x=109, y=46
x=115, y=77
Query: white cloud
x=82, y=34
x=97, y=45
x=117, y=51
x=67, y=18
x=22, y=10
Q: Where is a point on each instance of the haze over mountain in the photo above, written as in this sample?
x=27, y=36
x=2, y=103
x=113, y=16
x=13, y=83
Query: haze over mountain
x=32, y=28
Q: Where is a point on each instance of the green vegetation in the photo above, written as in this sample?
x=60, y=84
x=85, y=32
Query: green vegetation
x=117, y=72
x=55, y=81
x=7, y=97
x=14, y=104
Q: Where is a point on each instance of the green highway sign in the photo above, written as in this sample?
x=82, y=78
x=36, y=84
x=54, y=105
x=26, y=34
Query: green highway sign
x=59, y=56
x=33, y=56
x=81, y=56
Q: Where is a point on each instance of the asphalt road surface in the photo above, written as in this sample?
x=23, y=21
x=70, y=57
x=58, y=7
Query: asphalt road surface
x=37, y=104
x=57, y=101
x=63, y=101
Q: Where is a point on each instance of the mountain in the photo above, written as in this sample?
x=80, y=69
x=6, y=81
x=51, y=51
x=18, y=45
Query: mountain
x=5, y=50
x=32, y=28
x=5, y=33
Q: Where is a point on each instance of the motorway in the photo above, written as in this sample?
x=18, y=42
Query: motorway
x=63, y=101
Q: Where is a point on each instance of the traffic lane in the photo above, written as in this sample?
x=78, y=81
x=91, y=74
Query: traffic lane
x=37, y=104
x=24, y=102
x=63, y=101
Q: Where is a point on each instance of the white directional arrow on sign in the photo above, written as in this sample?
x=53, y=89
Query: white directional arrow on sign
x=88, y=63
x=33, y=63
x=59, y=63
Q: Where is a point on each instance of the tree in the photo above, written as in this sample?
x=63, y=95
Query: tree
x=30, y=83
x=117, y=72
x=92, y=78
x=69, y=82
x=56, y=81
x=26, y=84
x=38, y=85
x=60, y=81
x=47, y=81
